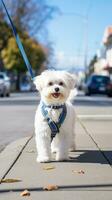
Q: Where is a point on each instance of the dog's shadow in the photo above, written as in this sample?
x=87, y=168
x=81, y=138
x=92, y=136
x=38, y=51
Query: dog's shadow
x=91, y=156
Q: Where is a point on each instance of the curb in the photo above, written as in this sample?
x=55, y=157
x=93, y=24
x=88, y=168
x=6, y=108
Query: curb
x=10, y=155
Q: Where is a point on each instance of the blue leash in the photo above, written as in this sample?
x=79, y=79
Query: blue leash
x=19, y=43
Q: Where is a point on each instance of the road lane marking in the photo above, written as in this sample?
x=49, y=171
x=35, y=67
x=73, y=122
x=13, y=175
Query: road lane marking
x=100, y=117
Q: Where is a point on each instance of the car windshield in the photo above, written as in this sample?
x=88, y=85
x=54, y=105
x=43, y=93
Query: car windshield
x=100, y=79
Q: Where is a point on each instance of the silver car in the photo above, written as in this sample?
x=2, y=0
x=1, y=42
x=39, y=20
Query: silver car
x=4, y=85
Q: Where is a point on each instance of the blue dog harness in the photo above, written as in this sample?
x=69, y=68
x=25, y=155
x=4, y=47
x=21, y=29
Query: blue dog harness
x=54, y=126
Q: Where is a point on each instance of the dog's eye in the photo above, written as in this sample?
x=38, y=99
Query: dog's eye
x=61, y=83
x=50, y=83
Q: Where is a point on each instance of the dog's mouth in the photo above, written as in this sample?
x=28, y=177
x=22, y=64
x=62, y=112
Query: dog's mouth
x=56, y=94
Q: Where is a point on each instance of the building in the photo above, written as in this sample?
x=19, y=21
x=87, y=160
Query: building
x=102, y=61
x=107, y=41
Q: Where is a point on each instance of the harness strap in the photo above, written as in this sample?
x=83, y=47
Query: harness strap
x=54, y=126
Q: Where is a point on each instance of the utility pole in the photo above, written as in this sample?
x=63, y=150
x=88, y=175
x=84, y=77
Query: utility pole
x=85, y=19
x=86, y=46
x=85, y=43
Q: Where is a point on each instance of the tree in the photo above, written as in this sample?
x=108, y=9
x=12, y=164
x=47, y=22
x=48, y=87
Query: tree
x=5, y=34
x=35, y=52
x=2, y=15
x=92, y=62
x=30, y=15
x=14, y=61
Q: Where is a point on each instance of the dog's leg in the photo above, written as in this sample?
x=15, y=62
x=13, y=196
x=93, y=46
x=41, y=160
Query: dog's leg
x=54, y=146
x=62, y=154
x=63, y=150
x=73, y=145
x=43, y=149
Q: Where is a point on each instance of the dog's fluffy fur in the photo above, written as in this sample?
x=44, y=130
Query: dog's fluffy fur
x=47, y=83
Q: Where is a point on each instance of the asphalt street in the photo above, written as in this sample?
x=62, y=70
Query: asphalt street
x=17, y=115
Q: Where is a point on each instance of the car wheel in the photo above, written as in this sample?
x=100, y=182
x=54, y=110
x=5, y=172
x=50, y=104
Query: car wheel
x=87, y=93
x=8, y=95
x=2, y=95
x=109, y=95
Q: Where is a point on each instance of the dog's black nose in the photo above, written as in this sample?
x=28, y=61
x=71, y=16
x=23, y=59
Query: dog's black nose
x=57, y=89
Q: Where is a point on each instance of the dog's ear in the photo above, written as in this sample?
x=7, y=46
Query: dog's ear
x=38, y=82
x=71, y=80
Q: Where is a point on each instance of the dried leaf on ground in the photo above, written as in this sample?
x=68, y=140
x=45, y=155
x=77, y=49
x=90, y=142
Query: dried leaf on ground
x=50, y=187
x=25, y=193
x=78, y=171
x=10, y=180
x=48, y=167
x=81, y=172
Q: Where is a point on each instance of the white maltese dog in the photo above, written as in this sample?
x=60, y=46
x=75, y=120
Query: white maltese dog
x=55, y=115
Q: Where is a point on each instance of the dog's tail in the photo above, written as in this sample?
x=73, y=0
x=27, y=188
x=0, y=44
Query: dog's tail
x=72, y=95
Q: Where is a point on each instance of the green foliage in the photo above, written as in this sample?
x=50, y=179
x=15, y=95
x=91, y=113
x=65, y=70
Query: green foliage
x=29, y=17
x=11, y=56
x=5, y=34
x=35, y=52
x=92, y=62
x=14, y=61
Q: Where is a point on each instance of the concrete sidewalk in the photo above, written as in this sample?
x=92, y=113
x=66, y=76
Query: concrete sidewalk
x=87, y=175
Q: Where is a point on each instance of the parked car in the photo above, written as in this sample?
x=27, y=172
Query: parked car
x=26, y=84
x=5, y=84
x=1, y=88
x=109, y=88
x=96, y=84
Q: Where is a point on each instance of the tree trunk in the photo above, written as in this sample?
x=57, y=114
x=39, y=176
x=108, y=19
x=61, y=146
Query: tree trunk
x=1, y=65
x=18, y=81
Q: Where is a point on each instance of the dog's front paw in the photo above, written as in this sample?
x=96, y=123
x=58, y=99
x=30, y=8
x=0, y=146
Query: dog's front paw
x=43, y=159
x=73, y=147
x=62, y=158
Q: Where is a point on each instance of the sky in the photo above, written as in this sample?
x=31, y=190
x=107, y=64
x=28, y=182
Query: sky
x=77, y=30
